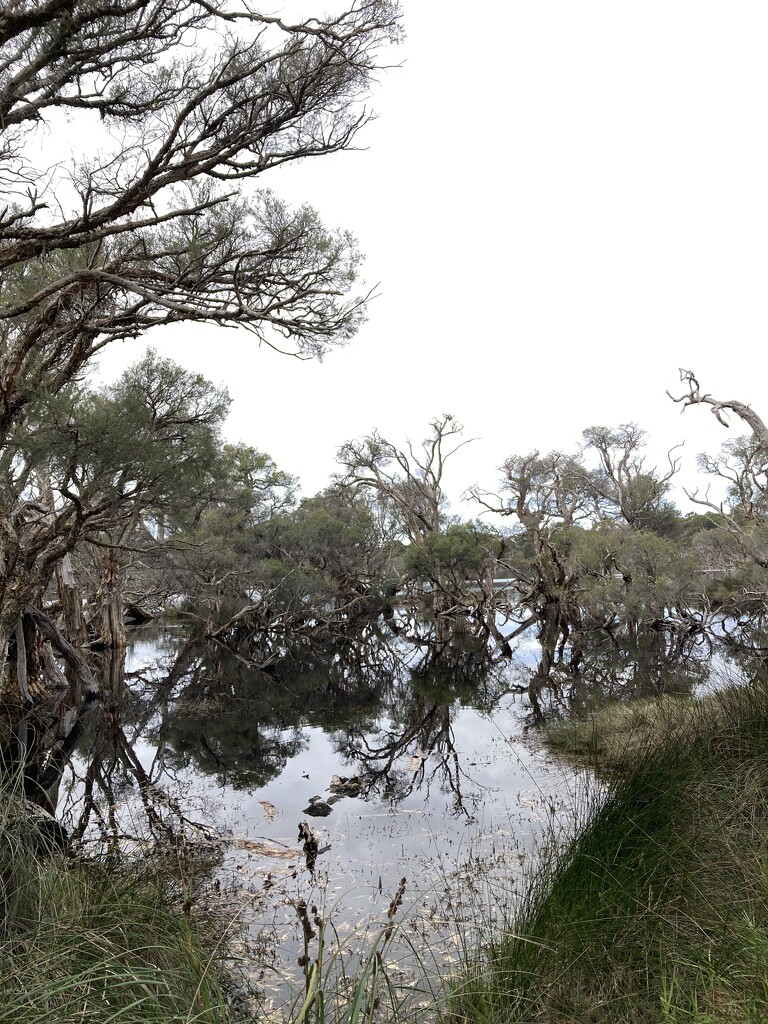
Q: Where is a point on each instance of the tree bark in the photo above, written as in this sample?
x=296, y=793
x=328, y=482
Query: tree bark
x=112, y=632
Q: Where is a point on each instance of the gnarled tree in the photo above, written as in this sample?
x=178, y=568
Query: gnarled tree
x=182, y=103
x=736, y=554
x=178, y=106
x=546, y=496
x=407, y=483
x=623, y=489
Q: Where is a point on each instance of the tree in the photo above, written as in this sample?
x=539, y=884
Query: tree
x=184, y=102
x=622, y=488
x=89, y=472
x=106, y=462
x=214, y=547
x=334, y=536
x=448, y=560
x=694, y=397
x=406, y=483
x=583, y=555
x=738, y=556
x=459, y=565
x=547, y=497
x=634, y=583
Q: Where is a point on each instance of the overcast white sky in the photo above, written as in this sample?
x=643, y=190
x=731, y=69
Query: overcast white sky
x=563, y=201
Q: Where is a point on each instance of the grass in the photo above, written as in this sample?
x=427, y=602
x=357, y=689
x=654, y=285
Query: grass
x=82, y=943
x=612, y=739
x=109, y=943
x=657, y=911
x=356, y=979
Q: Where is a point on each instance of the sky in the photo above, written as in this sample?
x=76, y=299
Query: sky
x=561, y=202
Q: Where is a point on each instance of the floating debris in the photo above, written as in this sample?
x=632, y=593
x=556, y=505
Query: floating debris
x=343, y=786
x=318, y=807
x=270, y=811
x=264, y=849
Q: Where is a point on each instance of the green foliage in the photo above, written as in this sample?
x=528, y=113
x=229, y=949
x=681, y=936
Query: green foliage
x=628, y=572
x=734, y=565
x=325, y=553
x=249, y=486
x=461, y=553
x=337, y=536
x=149, y=441
x=320, y=559
x=689, y=526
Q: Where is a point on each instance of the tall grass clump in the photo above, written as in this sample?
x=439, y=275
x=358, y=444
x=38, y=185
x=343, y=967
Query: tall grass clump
x=657, y=910
x=85, y=943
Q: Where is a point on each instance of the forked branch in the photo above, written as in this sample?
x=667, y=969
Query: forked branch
x=744, y=412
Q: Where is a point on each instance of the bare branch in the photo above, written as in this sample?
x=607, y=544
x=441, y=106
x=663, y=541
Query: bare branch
x=744, y=412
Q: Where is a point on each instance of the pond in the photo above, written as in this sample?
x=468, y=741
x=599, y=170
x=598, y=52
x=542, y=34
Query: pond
x=377, y=776
x=401, y=764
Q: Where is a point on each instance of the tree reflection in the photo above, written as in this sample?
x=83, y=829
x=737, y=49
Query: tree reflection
x=217, y=712
x=654, y=663
x=227, y=719
x=412, y=745
x=387, y=694
x=389, y=705
x=115, y=772
x=743, y=646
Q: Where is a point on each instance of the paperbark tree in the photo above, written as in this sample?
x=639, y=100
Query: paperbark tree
x=407, y=482
x=179, y=104
x=719, y=407
x=739, y=554
x=546, y=495
x=584, y=554
x=95, y=463
x=459, y=565
x=407, y=485
x=623, y=489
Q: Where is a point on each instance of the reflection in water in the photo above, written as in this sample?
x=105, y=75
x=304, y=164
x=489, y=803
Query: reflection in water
x=386, y=697
x=415, y=755
x=110, y=770
x=412, y=744
x=654, y=663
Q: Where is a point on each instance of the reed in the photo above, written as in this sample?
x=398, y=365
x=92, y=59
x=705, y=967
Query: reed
x=656, y=910
x=85, y=943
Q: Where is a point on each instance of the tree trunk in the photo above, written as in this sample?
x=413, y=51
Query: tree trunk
x=112, y=633
x=71, y=602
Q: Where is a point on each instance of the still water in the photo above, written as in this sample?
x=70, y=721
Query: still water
x=401, y=762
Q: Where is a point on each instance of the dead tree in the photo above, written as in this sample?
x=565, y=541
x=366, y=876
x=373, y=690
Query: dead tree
x=743, y=517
